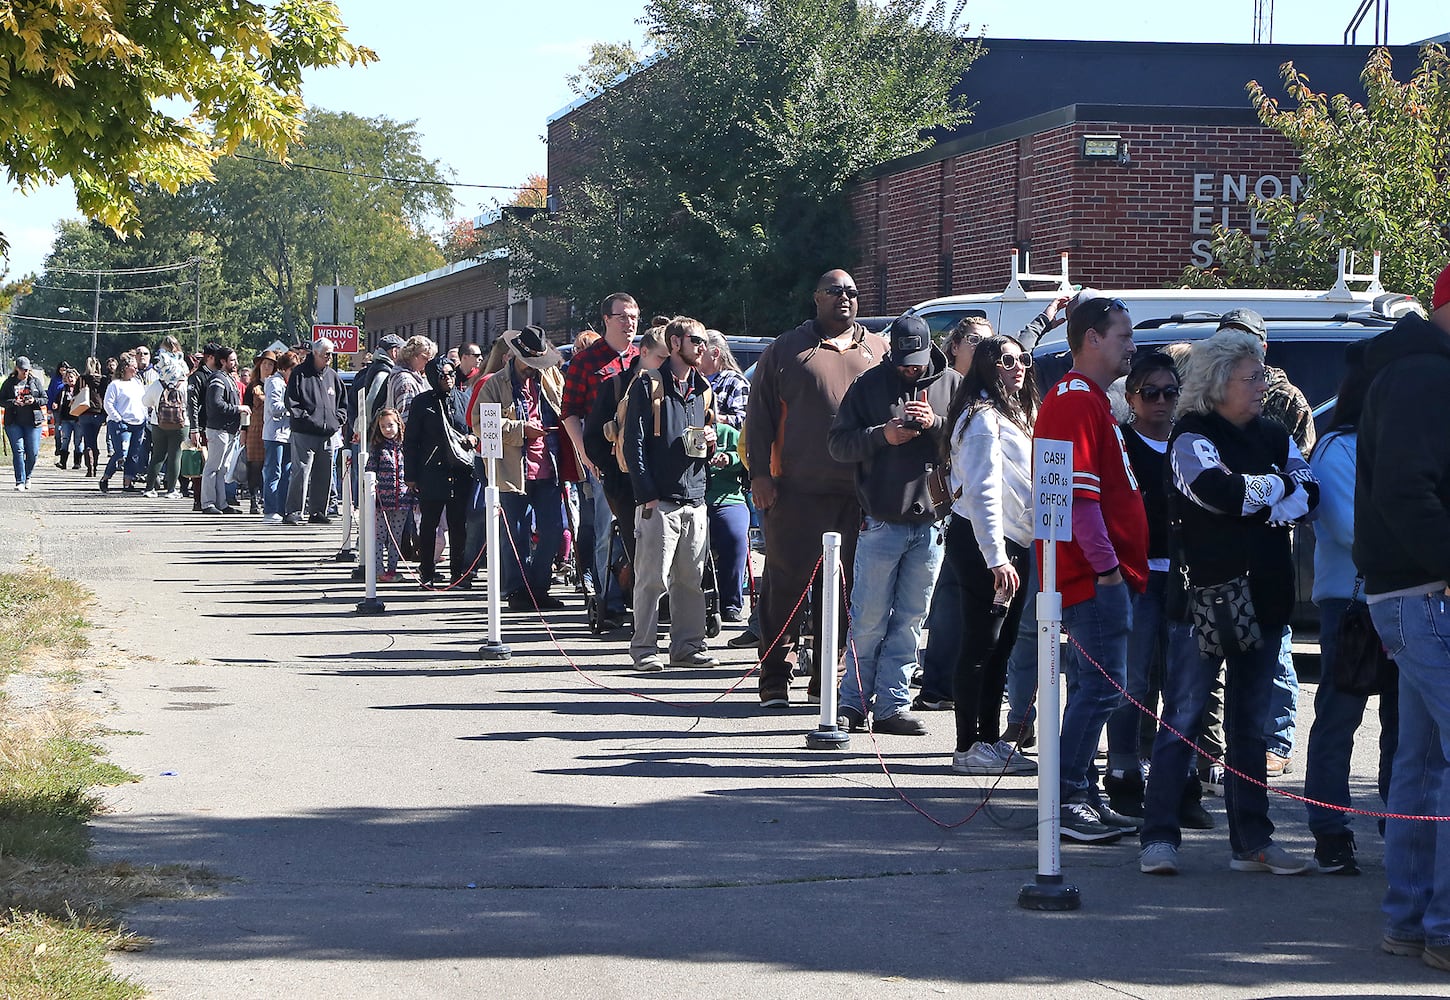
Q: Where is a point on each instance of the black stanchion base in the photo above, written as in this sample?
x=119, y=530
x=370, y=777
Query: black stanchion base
x=370, y=606
x=1049, y=894
x=828, y=738
x=357, y=573
x=494, y=651
x=345, y=555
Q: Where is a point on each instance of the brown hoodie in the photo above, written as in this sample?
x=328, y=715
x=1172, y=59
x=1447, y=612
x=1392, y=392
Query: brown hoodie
x=797, y=388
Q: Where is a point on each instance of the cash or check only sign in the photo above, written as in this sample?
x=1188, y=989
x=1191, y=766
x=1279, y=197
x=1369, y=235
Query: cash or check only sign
x=1052, y=489
x=490, y=430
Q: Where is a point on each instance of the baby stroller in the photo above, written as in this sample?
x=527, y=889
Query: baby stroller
x=582, y=573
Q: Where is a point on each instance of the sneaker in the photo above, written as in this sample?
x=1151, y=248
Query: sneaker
x=1272, y=858
x=550, y=603
x=980, y=758
x=1079, y=822
x=151, y=494
x=1276, y=766
x=1022, y=735
x=1109, y=816
x=650, y=664
x=1210, y=776
x=209, y=509
x=1158, y=859
x=103, y=484
x=699, y=658
x=745, y=640
x=903, y=723
x=1015, y=762
x=1334, y=854
x=1436, y=956
x=382, y=577
x=272, y=519
x=178, y=495
x=319, y=519
x=775, y=697
x=932, y=703
x=1192, y=816
x=291, y=519
x=850, y=721
x=1408, y=947
x=19, y=487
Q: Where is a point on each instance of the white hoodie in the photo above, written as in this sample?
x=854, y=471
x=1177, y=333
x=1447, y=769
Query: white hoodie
x=992, y=468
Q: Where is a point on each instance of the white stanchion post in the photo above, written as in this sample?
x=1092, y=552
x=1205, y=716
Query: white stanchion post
x=1052, y=467
x=345, y=552
x=490, y=446
x=828, y=735
x=367, y=518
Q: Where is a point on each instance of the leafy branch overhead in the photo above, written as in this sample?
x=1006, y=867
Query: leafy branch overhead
x=715, y=175
x=85, y=86
x=1377, y=177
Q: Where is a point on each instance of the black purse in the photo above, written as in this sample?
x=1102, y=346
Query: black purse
x=1361, y=667
x=1224, y=621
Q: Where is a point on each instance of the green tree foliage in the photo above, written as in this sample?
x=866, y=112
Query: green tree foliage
x=266, y=234
x=715, y=177
x=1377, y=177
x=86, y=88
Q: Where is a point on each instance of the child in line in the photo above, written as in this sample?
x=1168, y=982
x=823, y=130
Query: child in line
x=394, y=504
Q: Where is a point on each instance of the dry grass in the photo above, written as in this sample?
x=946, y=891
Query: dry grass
x=40, y=612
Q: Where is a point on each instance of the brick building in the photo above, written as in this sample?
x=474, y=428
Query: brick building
x=1124, y=154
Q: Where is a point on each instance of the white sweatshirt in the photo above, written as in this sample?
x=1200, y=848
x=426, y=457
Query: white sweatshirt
x=992, y=467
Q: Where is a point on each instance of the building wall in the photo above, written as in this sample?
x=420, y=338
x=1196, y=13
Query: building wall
x=1124, y=225
x=468, y=307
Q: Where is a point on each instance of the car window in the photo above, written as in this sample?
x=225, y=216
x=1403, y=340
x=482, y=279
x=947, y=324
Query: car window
x=942, y=321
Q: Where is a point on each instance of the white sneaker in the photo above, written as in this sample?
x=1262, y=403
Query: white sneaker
x=175, y=495
x=152, y=494
x=272, y=519
x=19, y=487
x=1016, y=763
x=979, y=759
x=25, y=486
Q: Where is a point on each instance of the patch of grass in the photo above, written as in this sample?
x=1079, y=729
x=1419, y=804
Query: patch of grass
x=40, y=611
x=41, y=959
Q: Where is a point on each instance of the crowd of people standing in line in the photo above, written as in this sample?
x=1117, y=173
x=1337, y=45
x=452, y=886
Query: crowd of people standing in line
x=919, y=455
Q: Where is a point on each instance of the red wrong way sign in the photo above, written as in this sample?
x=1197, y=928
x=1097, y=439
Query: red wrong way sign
x=344, y=338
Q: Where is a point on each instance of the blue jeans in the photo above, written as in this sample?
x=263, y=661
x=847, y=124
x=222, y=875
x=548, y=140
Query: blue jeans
x=90, y=425
x=894, y=572
x=1283, y=699
x=1100, y=625
x=24, y=449
x=1146, y=643
x=1331, y=739
x=944, y=630
x=276, y=477
x=1416, y=634
x=68, y=439
x=1187, y=680
x=140, y=461
x=1022, y=664
x=544, y=502
x=595, y=516
x=125, y=442
x=730, y=543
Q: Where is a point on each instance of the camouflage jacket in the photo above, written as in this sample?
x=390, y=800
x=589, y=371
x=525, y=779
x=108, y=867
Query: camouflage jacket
x=1285, y=403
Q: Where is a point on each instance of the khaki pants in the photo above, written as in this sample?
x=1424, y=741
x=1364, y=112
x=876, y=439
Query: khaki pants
x=669, y=557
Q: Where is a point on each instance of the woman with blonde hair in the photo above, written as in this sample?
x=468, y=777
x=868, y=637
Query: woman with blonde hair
x=408, y=381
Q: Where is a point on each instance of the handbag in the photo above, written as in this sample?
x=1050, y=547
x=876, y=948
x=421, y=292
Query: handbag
x=939, y=487
x=82, y=401
x=1361, y=666
x=1224, y=622
x=408, y=544
x=458, y=453
x=193, y=460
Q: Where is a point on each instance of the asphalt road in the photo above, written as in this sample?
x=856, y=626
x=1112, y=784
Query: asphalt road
x=396, y=818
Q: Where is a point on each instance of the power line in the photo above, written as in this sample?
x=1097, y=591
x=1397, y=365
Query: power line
x=121, y=270
x=92, y=322
x=384, y=177
x=134, y=288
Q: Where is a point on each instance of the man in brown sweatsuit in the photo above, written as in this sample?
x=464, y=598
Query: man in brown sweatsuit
x=799, y=489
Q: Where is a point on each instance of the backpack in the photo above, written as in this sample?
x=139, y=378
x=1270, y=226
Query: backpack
x=614, y=430
x=171, y=409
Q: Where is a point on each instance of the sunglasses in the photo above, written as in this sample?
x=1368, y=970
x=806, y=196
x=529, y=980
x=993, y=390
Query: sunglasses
x=1007, y=363
x=1098, y=308
x=836, y=291
x=1152, y=393
x=698, y=341
x=970, y=339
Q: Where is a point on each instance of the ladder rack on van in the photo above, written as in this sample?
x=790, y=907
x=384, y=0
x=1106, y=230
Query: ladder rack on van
x=1023, y=273
x=1341, y=291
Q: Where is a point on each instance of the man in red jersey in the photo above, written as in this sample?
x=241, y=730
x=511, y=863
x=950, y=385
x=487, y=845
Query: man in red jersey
x=1108, y=553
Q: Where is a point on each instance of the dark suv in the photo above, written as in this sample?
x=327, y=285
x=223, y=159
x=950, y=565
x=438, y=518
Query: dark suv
x=1311, y=352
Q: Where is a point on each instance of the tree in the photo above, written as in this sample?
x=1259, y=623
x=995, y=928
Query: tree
x=533, y=193
x=84, y=85
x=1377, y=177
x=607, y=62
x=715, y=182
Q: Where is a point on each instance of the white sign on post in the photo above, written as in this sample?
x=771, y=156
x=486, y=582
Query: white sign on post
x=490, y=430
x=1052, y=478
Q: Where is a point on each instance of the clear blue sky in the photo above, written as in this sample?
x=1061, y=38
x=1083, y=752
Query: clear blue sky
x=481, y=79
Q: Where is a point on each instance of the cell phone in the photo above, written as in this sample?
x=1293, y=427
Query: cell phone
x=916, y=425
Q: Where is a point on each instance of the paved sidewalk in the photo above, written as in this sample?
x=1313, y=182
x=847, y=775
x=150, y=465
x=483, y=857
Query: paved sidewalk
x=403, y=820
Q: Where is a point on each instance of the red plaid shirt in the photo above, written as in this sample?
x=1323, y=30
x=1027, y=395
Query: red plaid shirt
x=588, y=370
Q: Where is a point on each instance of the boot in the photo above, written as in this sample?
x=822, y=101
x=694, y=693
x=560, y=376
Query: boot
x=1191, y=814
x=61, y=463
x=1125, y=792
x=93, y=456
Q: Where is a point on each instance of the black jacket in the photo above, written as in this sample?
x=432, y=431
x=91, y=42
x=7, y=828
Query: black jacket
x=315, y=400
x=659, y=469
x=196, y=384
x=891, y=480
x=1229, y=474
x=596, y=446
x=427, y=462
x=223, y=404
x=27, y=414
x=1402, y=478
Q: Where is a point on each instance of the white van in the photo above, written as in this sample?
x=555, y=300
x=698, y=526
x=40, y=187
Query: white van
x=1012, y=309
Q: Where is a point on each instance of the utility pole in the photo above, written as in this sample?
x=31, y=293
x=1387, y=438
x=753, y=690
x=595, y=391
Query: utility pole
x=1263, y=22
x=197, y=349
x=96, y=318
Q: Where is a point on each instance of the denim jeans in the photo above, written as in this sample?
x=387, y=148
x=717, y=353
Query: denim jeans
x=1022, y=664
x=124, y=441
x=595, y=517
x=730, y=544
x=1416, y=634
x=540, y=507
x=1283, y=699
x=24, y=449
x=895, y=570
x=68, y=439
x=944, y=627
x=1146, y=643
x=1331, y=739
x=1186, y=684
x=1100, y=625
x=276, y=477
